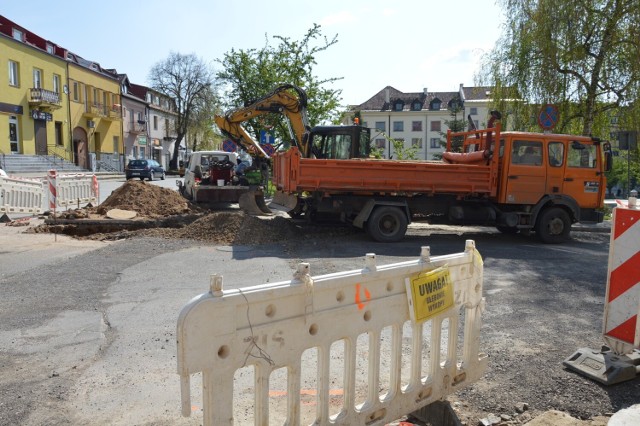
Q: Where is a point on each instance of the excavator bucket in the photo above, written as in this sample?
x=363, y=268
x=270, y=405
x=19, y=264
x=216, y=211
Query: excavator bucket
x=283, y=201
x=252, y=202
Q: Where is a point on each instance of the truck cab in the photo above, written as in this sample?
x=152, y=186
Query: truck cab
x=546, y=182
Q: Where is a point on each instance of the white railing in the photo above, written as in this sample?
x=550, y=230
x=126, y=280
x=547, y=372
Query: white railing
x=19, y=195
x=334, y=349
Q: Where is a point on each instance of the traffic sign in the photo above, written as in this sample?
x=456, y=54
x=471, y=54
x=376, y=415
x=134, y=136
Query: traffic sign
x=548, y=116
x=268, y=149
x=266, y=137
x=229, y=146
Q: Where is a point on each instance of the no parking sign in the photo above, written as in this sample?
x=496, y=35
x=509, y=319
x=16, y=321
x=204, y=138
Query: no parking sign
x=229, y=146
x=548, y=117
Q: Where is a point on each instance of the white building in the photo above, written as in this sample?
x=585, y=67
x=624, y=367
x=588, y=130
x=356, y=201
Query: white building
x=419, y=118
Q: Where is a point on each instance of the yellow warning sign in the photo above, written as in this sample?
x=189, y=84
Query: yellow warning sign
x=429, y=293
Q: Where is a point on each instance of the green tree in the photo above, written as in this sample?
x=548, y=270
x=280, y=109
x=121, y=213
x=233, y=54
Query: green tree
x=625, y=173
x=456, y=123
x=581, y=55
x=250, y=74
x=186, y=79
x=200, y=134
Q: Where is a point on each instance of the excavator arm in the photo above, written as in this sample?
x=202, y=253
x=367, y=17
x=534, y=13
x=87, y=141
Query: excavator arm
x=289, y=100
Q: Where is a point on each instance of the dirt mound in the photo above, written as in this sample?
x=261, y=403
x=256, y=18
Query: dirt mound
x=228, y=228
x=145, y=199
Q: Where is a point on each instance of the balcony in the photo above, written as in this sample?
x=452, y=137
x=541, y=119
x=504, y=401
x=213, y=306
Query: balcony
x=44, y=99
x=94, y=110
x=137, y=128
x=114, y=112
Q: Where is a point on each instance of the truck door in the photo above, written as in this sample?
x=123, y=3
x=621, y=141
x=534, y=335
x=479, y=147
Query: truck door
x=582, y=179
x=526, y=173
x=555, y=164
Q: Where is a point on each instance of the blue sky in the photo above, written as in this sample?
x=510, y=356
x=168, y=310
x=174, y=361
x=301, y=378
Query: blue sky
x=410, y=44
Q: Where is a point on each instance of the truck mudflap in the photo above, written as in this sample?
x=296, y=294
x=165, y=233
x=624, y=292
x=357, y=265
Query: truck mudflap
x=252, y=202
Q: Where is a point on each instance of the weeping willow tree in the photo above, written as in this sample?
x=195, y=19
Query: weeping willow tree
x=581, y=55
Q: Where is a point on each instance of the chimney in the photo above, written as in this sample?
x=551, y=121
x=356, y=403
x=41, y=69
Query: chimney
x=425, y=91
x=386, y=95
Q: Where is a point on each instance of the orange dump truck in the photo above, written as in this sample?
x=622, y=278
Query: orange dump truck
x=515, y=181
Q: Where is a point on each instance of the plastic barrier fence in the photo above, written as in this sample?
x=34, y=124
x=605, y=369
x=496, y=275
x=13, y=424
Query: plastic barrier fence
x=622, y=303
x=21, y=195
x=72, y=190
x=335, y=349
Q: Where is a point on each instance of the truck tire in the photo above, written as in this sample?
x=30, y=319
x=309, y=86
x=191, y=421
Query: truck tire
x=387, y=224
x=553, y=226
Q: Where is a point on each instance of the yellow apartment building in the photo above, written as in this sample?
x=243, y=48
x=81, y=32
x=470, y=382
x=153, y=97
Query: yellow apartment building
x=95, y=114
x=34, y=117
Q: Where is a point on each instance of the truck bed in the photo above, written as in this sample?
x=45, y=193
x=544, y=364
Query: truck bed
x=292, y=173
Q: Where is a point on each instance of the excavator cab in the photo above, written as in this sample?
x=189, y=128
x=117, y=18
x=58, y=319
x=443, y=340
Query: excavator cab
x=340, y=142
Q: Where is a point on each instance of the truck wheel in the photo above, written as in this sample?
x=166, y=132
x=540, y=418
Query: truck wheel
x=553, y=226
x=387, y=224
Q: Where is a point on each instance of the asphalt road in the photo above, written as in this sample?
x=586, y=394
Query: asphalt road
x=87, y=329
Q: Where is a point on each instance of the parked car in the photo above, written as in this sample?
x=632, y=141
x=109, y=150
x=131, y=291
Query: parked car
x=144, y=169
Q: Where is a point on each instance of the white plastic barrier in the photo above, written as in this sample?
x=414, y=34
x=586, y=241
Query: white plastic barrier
x=270, y=327
x=75, y=189
x=21, y=195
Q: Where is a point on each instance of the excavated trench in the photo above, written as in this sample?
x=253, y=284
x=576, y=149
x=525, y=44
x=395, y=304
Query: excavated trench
x=164, y=213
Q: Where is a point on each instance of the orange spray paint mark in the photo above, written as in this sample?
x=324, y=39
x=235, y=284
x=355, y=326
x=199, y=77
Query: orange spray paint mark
x=367, y=297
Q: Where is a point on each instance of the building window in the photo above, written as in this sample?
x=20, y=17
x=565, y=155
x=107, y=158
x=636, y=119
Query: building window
x=364, y=124
x=435, y=126
x=18, y=35
x=14, y=76
x=416, y=106
x=435, y=143
x=416, y=126
x=473, y=111
x=155, y=122
x=58, y=130
x=398, y=126
x=56, y=83
x=380, y=126
x=49, y=48
x=398, y=106
x=37, y=78
x=435, y=105
x=416, y=142
x=116, y=145
x=380, y=143
x=75, y=91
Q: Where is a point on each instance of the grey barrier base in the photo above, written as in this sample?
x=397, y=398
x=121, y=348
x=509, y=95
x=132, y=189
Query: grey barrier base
x=603, y=365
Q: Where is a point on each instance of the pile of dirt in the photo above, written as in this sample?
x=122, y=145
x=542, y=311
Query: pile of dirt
x=146, y=199
x=228, y=228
